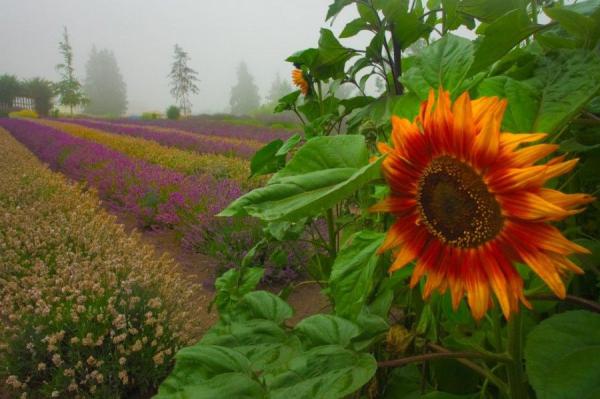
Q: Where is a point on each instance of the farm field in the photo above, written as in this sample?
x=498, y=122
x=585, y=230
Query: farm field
x=363, y=199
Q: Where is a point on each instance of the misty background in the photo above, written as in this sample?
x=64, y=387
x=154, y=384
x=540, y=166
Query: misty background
x=217, y=35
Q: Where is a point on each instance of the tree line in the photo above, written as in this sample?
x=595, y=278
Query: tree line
x=104, y=92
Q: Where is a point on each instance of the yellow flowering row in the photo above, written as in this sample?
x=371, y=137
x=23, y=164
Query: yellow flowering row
x=187, y=162
x=82, y=302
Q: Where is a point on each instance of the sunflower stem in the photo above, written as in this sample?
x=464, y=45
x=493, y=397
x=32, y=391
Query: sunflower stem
x=516, y=380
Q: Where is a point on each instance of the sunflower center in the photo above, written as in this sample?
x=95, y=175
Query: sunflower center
x=456, y=205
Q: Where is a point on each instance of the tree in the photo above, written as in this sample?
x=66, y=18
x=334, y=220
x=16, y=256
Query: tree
x=104, y=85
x=279, y=88
x=9, y=89
x=69, y=89
x=183, y=80
x=244, y=95
x=42, y=93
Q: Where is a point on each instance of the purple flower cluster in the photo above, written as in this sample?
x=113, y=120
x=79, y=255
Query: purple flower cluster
x=205, y=126
x=156, y=196
x=187, y=141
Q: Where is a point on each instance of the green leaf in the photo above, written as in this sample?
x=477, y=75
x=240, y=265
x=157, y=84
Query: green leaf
x=305, y=57
x=574, y=146
x=318, y=177
x=351, y=277
x=228, y=385
x=522, y=101
x=353, y=27
x=566, y=83
x=562, y=356
x=289, y=144
x=324, y=329
x=500, y=37
x=445, y=64
x=487, y=10
x=266, y=160
x=585, y=29
x=332, y=57
x=336, y=7
x=264, y=305
x=287, y=102
x=327, y=372
x=350, y=104
x=234, y=284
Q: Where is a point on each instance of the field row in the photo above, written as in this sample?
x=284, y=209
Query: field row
x=163, y=187
x=86, y=309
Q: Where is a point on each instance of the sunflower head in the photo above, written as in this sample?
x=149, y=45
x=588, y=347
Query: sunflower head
x=469, y=202
x=300, y=81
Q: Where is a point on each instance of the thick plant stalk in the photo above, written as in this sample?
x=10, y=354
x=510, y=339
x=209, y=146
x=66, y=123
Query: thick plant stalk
x=516, y=380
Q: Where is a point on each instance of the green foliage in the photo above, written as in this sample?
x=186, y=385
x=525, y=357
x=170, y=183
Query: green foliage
x=68, y=88
x=104, y=85
x=183, y=80
x=325, y=180
x=10, y=87
x=173, y=112
x=42, y=93
x=563, y=356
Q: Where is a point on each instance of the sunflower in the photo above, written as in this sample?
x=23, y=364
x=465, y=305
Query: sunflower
x=300, y=81
x=469, y=202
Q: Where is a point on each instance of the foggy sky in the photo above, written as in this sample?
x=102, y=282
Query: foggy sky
x=217, y=34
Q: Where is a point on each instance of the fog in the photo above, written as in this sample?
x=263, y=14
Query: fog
x=217, y=34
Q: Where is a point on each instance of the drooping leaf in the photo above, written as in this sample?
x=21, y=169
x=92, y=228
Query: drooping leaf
x=287, y=102
x=314, y=180
x=351, y=277
x=336, y=7
x=332, y=57
x=562, y=356
x=324, y=329
x=326, y=372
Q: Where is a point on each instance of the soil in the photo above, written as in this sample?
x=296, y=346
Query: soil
x=306, y=299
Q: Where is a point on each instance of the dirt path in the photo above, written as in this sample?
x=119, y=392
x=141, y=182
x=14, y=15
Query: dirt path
x=305, y=300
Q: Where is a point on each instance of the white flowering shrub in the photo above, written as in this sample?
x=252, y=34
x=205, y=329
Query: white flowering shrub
x=85, y=309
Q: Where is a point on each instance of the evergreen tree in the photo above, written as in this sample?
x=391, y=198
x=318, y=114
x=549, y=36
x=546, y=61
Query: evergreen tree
x=104, y=85
x=279, y=88
x=183, y=80
x=69, y=89
x=42, y=93
x=244, y=95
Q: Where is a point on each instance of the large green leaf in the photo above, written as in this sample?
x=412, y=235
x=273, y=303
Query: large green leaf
x=351, y=277
x=324, y=329
x=563, y=356
x=522, y=101
x=326, y=372
x=445, y=64
x=566, y=82
x=264, y=305
x=319, y=176
x=500, y=37
x=228, y=385
x=234, y=284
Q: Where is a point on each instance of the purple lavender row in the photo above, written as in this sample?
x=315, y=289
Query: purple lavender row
x=156, y=196
x=192, y=142
x=216, y=128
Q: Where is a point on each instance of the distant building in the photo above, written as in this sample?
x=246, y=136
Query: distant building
x=19, y=103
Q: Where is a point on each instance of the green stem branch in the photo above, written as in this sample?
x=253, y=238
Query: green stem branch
x=516, y=380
